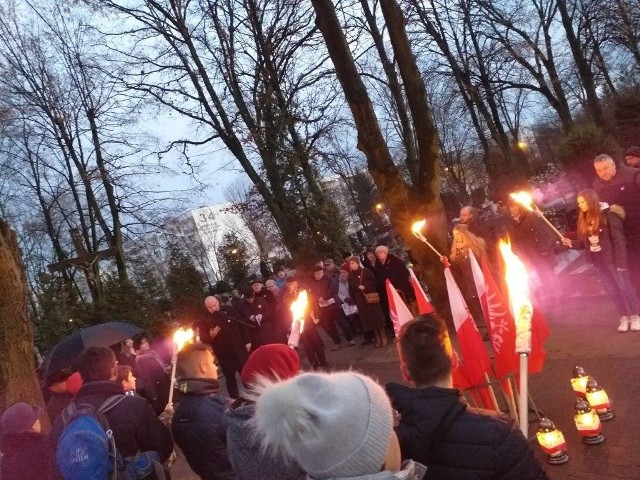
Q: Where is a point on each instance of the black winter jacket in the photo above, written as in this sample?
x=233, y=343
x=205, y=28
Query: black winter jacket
x=135, y=427
x=398, y=274
x=457, y=442
x=199, y=428
x=611, y=237
x=25, y=456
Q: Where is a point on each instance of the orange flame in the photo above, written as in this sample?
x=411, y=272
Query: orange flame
x=518, y=286
x=523, y=198
x=417, y=227
x=298, y=308
x=516, y=278
x=181, y=337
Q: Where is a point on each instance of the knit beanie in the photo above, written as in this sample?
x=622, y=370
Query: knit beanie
x=333, y=425
x=19, y=418
x=275, y=361
x=633, y=152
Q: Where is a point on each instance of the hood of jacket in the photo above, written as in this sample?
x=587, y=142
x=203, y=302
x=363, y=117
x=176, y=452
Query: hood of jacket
x=618, y=210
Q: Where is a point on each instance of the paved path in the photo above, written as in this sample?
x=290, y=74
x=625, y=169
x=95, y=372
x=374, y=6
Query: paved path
x=583, y=332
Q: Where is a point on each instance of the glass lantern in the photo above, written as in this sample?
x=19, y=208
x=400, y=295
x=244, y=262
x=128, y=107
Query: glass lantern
x=587, y=422
x=599, y=400
x=579, y=381
x=552, y=442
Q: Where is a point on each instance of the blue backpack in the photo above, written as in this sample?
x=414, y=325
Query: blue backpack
x=87, y=449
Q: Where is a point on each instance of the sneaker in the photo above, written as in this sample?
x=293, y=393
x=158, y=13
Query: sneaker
x=624, y=324
x=336, y=347
x=352, y=343
x=634, y=323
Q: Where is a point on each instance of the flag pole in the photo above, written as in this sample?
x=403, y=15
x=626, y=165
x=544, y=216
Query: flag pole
x=523, y=406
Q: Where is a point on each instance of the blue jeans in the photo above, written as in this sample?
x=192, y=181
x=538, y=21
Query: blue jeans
x=623, y=282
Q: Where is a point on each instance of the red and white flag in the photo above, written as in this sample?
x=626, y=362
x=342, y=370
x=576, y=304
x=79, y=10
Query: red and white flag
x=398, y=310
x=501, y=326
x=424, y=305
x=474, y=354
x=498, y=318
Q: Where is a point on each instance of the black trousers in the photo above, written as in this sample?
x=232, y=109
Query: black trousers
x=229, y=365
x=313, y=347
x=328, y=322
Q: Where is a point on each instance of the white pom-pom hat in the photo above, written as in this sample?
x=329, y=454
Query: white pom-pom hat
x=333, y=425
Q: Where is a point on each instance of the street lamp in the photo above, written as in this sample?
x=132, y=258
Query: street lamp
x=379, y=207
x=552, y=442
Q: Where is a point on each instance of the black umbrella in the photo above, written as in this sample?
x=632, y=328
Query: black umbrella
x=103, y=335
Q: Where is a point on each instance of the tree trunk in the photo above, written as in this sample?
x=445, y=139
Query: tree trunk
x=584, y=70
x=404, y=203
x=18, y=380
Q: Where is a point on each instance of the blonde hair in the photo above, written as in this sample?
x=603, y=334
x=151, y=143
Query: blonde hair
x=469, y=242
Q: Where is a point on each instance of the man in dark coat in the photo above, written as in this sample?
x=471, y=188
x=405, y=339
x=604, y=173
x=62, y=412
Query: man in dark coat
x=310, y=338
x=439, y=430
x=222, y=329
x=533, y=242
x=135, y=427
x=197, y=423
x=326, y=304
x=392, y=268
x=620, y=185
x=256, y=311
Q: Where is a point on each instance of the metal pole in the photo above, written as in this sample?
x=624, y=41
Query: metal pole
x=523, y=405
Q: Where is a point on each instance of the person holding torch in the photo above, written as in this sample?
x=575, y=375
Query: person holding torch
x=305, y=331
x=533, y=242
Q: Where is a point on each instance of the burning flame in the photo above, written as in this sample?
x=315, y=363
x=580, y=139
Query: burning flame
x=181, y=337
x=298, y=308
x=417, y=227
x=517, y=280
x=523, y=198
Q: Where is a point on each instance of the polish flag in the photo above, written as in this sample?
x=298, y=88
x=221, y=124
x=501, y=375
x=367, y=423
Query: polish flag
x=424, y=305
x=498, y=318
x=474, y=354
x=398, y=310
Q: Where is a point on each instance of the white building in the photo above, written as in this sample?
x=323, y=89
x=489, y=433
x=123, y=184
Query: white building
x=201, y=231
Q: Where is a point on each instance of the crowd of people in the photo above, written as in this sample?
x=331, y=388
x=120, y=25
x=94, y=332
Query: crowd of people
x=277, y=422
x=288, y=424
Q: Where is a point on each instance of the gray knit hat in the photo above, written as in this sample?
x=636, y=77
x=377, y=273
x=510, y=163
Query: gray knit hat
x=333, y=425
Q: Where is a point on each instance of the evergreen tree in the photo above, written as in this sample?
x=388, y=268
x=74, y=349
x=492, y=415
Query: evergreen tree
x=185, y=284
x=233, y=259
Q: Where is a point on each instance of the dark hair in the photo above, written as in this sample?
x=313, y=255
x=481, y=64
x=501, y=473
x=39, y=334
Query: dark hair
x=425, y=349
x=187, y=353
x=95, y=364
x=123, y=373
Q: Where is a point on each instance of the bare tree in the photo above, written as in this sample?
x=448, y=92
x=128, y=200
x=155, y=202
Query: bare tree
x=406, y=201
x=248, y=75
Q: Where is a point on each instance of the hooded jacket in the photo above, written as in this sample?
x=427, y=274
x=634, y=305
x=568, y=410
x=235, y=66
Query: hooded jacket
x=199, y=428
x=244, y=452
x=456, y=442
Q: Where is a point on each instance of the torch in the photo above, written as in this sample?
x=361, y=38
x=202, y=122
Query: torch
x=298, y=309
x=525, y=199
x=522, y=310
x=416, y=229
x=180, y=338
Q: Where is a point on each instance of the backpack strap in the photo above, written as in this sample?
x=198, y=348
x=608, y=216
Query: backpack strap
x=111, y=402
x=106, y=406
